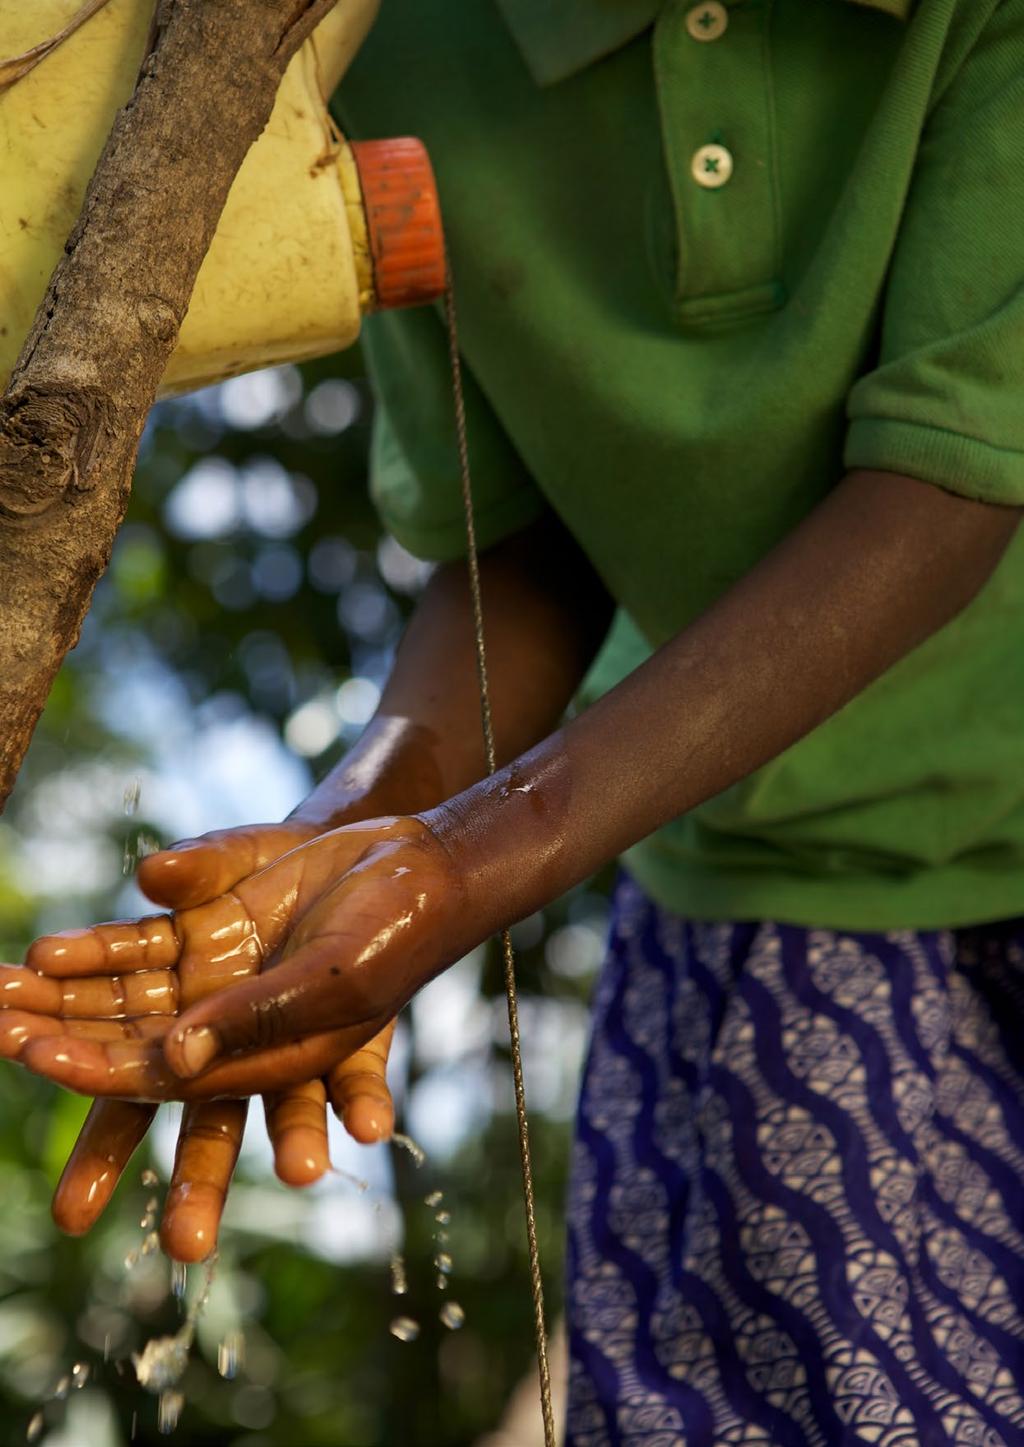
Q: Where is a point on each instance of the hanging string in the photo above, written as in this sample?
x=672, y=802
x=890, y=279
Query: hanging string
x=508, y=955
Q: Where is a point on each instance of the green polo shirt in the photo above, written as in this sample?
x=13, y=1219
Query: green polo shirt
x=708, y=258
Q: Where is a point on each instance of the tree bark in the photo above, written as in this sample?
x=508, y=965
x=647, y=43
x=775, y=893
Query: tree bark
x=72, y=416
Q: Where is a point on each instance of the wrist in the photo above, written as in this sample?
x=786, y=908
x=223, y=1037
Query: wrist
x=507, y=838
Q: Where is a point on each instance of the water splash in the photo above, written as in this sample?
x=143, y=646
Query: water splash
x=161, y=1363
x=404, y=1328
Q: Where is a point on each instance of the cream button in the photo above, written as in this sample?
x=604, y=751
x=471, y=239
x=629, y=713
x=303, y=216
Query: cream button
x=711, y=166
x=707, y=21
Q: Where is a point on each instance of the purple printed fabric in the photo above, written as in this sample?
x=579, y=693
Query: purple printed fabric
x=797, y=1205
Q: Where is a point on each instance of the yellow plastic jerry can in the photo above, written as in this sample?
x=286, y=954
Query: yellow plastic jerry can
x=315, y=232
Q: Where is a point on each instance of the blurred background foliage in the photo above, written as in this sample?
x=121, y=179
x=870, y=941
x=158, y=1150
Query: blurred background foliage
x=235, y=648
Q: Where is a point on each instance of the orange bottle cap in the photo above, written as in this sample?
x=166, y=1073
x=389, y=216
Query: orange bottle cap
x=403, y=221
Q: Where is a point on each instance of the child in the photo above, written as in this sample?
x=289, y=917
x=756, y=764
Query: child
x=743, y=319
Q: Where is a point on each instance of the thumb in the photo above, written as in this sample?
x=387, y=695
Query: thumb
x=305, y=995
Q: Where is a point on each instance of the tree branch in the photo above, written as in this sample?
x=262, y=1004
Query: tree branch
x=78, y=398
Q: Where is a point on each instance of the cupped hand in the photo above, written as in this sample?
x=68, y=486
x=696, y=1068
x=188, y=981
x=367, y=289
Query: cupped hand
x=301, y=964
x=190, y=874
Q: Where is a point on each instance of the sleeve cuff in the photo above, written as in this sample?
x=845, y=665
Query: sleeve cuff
x=962, y=465
x=441, y=542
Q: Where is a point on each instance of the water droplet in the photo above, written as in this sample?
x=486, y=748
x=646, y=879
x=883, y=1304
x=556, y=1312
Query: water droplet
x=146, y=1222
x=179, y=1278
x=169, y=1411
x=399, y=1283
x=35, y=1427
x=404, y=1328
x=162, y=1361
x=132, y=794
x=442, y=1283
x=150, y=1178
x=441, y=1237
x=452, y=1315
x=135, y=1427
x=443, y=1218
x=62, y=1388
x=79, y=1375
x=151, y=1243
x=152, y=1205
x=106, y=1347
x=130, y=1260
x=434, y=1199
x=231, y=1354
x=418, y=1154
x=443, y=1262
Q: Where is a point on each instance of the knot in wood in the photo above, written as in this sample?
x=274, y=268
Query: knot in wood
x=157, y=318
x=47, y=443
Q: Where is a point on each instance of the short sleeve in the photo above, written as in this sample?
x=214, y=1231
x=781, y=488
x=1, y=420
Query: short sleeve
x=414, y=474
x=945, y=402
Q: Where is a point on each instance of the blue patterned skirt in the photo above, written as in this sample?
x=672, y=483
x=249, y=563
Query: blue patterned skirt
x=797, y=1203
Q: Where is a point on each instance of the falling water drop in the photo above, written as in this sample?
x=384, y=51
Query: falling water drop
x=131, y=1259
x=150, y=1178
x=404, y=1328
x=35, y=1427
x=62, y=1388
x=132, y=794
x=79, y=1375
x=434, y=1199
x=179, y=1279
x=231, y=1355
x=442, y=1282
x=418, y=1154
x=169, y=1411
x=399, y=1282
x=452, y=1315
x=443, y=1218
x=443, y=1262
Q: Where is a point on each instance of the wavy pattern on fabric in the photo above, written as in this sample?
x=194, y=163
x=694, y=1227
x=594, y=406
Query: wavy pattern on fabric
x=797, y=1205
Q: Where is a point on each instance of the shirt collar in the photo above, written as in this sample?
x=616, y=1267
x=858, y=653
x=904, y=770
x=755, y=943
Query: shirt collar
x=559, y=37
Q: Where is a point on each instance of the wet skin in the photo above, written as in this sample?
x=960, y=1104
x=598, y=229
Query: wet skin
x=423, y=745
x=345, y=928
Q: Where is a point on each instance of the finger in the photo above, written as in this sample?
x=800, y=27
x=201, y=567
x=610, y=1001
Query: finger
x=96, y=997
x=208, y=1146
x=107, y=949
x=359, y=1092
x=139, y=1071
x=195, y=871
x=18, y=1028
x=297, y=1126
x=366, y=955
x=105, y=1145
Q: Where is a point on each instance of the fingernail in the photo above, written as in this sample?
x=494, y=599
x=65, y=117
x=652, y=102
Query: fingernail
x=198, y=1047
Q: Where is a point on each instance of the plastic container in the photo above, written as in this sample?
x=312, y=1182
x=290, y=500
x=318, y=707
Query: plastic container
x=315, y=231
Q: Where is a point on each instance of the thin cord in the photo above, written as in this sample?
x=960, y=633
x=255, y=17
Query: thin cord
x=508, y=955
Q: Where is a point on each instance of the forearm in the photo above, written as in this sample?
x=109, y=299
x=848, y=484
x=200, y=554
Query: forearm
x=546, y=613
x=881, y=564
